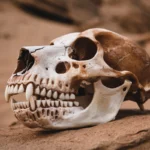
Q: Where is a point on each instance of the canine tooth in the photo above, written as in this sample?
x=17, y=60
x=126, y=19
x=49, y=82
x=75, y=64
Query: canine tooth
x=37, y=90
x=62, y=96
x=55, y=95
x=65, y=104
x=70, y=104
x=76, y=103
x=7, y=93
x=32, y=103
x=49, y=93
x=29, y=91
x=44, y=103
x=72, y=96
x=15, y=90
x=48, y=102
x=21, y=89
x=57, y=103
x=67, y=96
x=38, y=102
x=43, y=92
x=52, y=103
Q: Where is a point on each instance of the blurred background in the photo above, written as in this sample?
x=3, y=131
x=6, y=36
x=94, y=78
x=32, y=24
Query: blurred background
x=37, y=22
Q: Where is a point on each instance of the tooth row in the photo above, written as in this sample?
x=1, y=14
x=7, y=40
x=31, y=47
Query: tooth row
x=33, y=104
x=14, y=89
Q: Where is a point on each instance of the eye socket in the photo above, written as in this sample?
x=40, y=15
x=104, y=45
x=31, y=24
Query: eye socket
x=82, y=49
x=25, y=61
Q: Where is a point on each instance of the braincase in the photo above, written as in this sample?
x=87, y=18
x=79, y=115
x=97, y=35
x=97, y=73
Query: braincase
x=122, y=54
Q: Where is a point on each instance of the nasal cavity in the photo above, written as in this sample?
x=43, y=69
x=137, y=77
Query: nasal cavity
x=62, y=67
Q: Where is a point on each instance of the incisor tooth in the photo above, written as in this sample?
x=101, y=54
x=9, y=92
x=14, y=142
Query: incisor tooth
x=7, y=93
x=43, y=92
x=12, y=104
x=11, y=89
x=55, y=95
x=21, y=89
x=62, y=96
x=29, y=91
x=72, y=96
x=49, y=93
x=32, y=103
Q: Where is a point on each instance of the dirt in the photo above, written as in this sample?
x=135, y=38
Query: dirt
x=19, y=28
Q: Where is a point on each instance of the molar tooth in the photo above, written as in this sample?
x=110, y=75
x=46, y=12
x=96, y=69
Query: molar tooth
x=38, y=103
x=72, y=96
x=15, y=90
x=49, y=93
x=7, y=93
x=65, y=104
x=21, y=89
x=44, y=103
x=38, y=80
x=48, y=102
x=55, y=95
x=32, y=104
x=67, y=96
x=43, y=92
x=62, y=96
x=70, y=104
x=56, y=103
x=76, y=103
x=37, y=90
x=52, y=103
x=29, y=91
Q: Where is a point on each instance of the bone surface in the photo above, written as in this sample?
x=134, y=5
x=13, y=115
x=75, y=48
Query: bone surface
x=80, y=79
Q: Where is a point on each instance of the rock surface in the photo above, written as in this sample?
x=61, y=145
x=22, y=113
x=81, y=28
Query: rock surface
x=131, y=130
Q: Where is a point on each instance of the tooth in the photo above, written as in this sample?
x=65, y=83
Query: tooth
x=55, y=95
x=67, y=96
x=76, y=103
x=7, y=93
x=38, y=102
x=24, y=104
x=65, y=104
x=56, y=103
x=21, y=89
x=44, y=103
x=37, y=90
x=12, y=104
x=52, y=103
x=43, y=92
x=29, y=91
x=35, y=115
x=72, y=96
x=32, y=103
x=27, y=104
x=61, y=103
x=62, y=96
x=70, y=104
x=11, y=89
x=15, y=90
x=49, y=93
x=48, y=102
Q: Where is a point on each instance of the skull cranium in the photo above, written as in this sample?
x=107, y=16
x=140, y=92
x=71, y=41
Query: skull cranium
x=80, y=79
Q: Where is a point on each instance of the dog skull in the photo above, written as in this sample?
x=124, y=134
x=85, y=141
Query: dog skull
x=80, y=79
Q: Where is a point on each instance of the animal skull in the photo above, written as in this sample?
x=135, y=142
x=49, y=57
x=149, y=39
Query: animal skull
x=80, y=79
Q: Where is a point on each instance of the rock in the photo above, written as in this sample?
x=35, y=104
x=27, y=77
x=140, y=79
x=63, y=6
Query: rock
x=131, y=130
